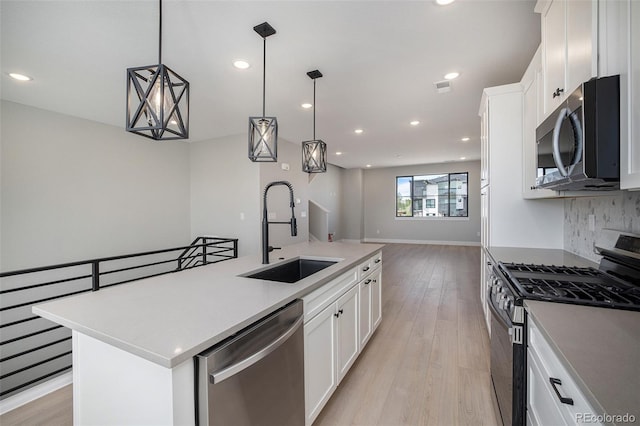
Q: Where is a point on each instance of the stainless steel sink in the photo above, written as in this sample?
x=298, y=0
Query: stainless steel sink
x=291, y=271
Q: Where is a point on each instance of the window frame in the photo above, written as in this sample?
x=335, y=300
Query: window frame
x=448, y=196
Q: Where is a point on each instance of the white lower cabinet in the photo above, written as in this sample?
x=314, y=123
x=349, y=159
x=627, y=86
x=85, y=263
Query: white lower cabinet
x=553, y=398
x=346, y=318
x=320, y=378
x=370, y=295
x=340, y=317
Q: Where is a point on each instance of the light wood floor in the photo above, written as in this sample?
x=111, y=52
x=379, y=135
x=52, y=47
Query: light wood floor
x=427, y=364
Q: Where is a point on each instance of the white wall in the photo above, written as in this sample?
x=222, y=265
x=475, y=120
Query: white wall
x=75, y=189
x=225, y=192
x=326, y=190
x=381, y=224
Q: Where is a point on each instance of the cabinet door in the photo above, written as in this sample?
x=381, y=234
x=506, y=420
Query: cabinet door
x=364, y=296
x=347, y=331
x=529, y=145
x=630, y=95
x=376, y=300
x=581, y=42
x=541, y=406
x=319, y=361
x=554, y=39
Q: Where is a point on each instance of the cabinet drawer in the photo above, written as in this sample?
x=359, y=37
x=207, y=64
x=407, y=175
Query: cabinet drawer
x=367, y=267
x=319, y=299
x=543, y=358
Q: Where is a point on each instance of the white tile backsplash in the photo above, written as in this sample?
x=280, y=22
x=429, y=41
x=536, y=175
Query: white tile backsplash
x=620, y=211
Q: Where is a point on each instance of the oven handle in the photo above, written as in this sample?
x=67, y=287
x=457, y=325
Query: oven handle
x=566, y=170
x=554, y=382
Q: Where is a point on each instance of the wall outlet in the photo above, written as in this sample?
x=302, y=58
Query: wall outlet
x=285, y=166
x=241, y=216
x=297, y=200
x=478, y=233
x=592, y=222
x=377, y=231
x=303, y=214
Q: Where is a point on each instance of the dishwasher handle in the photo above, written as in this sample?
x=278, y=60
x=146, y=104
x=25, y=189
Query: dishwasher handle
x=247, y=362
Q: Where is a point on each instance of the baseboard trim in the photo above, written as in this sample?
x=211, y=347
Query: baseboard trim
x=38, y=391
x=345, y=240
x=429, y=242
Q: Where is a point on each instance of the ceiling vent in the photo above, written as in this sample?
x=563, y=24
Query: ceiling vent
x=443, y=86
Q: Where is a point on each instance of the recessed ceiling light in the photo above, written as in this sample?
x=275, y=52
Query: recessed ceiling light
x=451, y=75
x=465, y=139
x=444, y=2
x=338, y=153
x=19, y=77
x=368, y=165
x=463, y=158
x=358, y=131
x=241, y=65
x=306, y=105
x=414, y=123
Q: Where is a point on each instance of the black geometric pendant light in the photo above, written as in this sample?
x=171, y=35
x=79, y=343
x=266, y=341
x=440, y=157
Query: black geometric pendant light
x=263, y=131
x=314, y=152
x=157, y=99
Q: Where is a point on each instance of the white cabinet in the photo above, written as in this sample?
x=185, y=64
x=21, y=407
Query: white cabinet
x=629, y=39
x=370, y=296
x=346, y=317
x=319, y=362
x=553, y=398
x=508, y=220
x=569, y=47
x=532, y=84
x=336, y=316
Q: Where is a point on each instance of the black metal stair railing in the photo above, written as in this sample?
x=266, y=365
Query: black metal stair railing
x=33, y=349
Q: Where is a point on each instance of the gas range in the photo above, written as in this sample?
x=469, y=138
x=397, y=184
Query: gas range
x=576, y=285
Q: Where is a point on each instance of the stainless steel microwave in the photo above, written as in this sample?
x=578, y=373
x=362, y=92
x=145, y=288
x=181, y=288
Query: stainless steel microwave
x=579, y=143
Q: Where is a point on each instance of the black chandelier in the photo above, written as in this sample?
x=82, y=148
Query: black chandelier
x=314, y=152
x=157, y=99
x=263, y=131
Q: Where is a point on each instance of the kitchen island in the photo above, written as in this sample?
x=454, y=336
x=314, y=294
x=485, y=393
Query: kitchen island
x=133, y=344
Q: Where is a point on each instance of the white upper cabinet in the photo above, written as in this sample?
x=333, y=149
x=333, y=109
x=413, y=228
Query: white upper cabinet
x=532, y=86
x=630, y=95
x=569, y=47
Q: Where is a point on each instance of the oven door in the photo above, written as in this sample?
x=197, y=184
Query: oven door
x=508, y=366
x=501, y=362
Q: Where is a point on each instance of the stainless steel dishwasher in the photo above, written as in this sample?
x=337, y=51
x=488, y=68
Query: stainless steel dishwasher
x=255, y=377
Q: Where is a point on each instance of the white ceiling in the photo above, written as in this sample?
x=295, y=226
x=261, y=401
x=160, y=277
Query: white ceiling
x=379, y=60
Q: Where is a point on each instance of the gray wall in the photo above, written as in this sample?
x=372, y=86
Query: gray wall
x=619, y=211
x=278, y=201
x=326, y=190
x=74, y=189
x=353, y=204
x=380, y=223
x=225, y=192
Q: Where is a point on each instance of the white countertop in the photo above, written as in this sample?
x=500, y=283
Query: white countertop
x=538, y=256
x=600, y=347
x=170, y=318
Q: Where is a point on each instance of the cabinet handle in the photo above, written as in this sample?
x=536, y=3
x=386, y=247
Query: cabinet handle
x=375, y=281
x=558, y=92
x=365, y=269
x=554, y=382
x=377, y=261
x=337, y=315
x=367, y=282
x=340, y=311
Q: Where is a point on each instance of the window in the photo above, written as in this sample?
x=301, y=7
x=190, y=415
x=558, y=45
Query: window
x=441, y=195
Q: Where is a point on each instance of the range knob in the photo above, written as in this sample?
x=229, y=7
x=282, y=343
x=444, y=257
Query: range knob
x=508, y=304
x=503, y=301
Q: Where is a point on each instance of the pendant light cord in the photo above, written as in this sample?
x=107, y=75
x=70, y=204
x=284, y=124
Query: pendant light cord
x=160, y=34
x=264, y=71
x=314, y=109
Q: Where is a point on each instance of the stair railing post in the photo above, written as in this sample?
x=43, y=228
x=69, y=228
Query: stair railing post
x=204, y=251
x=95, y=275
